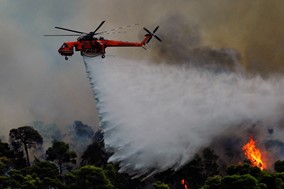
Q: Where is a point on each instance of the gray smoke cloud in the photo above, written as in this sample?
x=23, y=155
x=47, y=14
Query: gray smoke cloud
x=182, y=44
x=254, y=29
x=157, y=116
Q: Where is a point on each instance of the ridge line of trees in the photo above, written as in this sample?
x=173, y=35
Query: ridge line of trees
x=58, y=168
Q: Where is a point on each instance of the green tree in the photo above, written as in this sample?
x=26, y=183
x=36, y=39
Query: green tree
x=95, y=154
x=43, y=175
x=15, y=179
x=279, y=183
x=25, y=137
x=193, y=172
x=4, y=165
x=210, y=162
x=5, y=150
x=160, y=185
x=239, y=181
x=279, y=166
x=6, y=156
x=46, y=173
x=86, y=177
x=4, y=181
x=243, y=169
x=269, y=180
x=5, y=161
x=213, y=182
x=262, y=186
x=121, y=180
x=61, y=153
x=10, y=158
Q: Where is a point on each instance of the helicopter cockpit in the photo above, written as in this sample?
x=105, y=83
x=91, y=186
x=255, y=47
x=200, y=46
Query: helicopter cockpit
x=65, y=45
x=65, y=50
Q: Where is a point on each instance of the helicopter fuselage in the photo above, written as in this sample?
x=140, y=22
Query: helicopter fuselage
x=95, y=47
x=91, y=46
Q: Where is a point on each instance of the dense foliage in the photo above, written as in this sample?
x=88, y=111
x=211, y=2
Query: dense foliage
x=25, y=137
x=59, y=152
x=60, y=168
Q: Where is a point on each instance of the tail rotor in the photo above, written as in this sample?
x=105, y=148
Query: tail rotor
x=152, y=34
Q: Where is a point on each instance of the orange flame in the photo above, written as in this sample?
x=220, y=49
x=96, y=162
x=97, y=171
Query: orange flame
x=184, y=184
x=253, y=154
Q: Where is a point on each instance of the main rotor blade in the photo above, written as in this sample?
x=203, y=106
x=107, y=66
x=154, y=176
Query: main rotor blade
x=110, y=33
x=149, y=39
x=63, y=35
x=159, y=39
x=70, y=30
x=98, y=27
x=155, y=29
x=115, y=29
x=147, y=30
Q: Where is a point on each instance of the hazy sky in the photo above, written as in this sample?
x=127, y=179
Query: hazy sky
x=38, y=84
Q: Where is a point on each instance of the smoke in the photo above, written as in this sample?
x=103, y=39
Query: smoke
x=157, y=116
x=228, y=145
x=182, y=44
x=254, y=29
x=36, y=84
x=78, y=135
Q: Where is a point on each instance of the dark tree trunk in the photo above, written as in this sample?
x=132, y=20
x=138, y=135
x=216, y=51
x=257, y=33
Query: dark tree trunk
x=27, y=154
x=60, y=165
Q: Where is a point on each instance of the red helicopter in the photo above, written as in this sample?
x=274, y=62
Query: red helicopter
x=91, y=46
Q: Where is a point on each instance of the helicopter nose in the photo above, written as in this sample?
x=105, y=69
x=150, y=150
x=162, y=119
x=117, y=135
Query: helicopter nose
x=60, y=50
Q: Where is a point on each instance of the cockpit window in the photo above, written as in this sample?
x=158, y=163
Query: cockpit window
x=64, y=45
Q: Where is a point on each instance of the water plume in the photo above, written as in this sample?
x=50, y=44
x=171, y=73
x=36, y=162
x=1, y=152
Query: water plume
x=157, y=116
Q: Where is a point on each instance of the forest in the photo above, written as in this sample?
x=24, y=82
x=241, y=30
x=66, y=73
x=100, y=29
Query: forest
x=25, y=165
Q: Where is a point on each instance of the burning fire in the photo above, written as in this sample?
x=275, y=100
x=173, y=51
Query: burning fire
x=183, y=182
x=253, y=154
